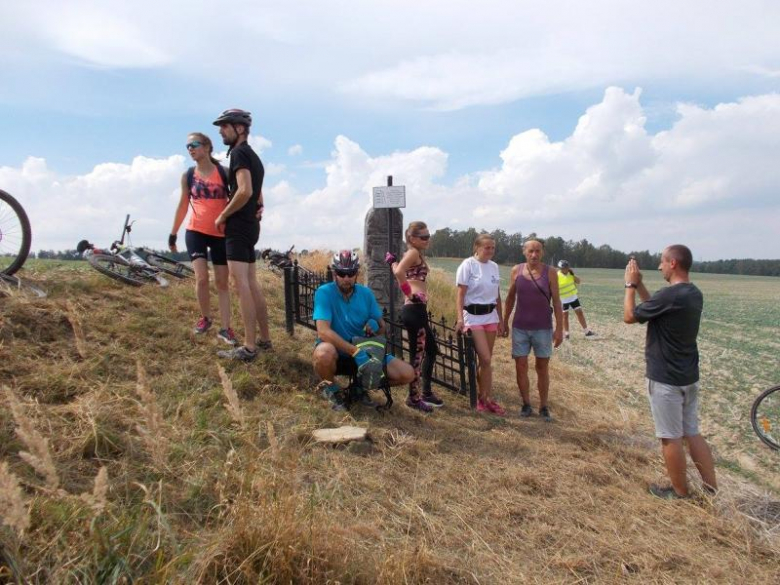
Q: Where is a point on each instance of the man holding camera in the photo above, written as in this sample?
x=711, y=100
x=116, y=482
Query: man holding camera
x=672, y=315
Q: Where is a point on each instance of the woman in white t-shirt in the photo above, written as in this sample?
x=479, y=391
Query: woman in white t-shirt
x=479, y=311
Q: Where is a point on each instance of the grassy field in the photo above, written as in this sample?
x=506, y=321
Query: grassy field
x=739, y=344
x=126, y=455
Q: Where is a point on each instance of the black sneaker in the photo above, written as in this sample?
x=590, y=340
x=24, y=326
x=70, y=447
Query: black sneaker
x=431, y=398
x=264, y=345
x=418, y=404
x=544, y=412
x=665, y=493
x=526, y=411
x=238, y=353
x=590, y=333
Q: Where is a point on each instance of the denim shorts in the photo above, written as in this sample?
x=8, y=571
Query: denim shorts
x=674, y=408
x=538, y=339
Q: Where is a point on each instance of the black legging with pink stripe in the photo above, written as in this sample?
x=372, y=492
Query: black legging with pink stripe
x=422, y=345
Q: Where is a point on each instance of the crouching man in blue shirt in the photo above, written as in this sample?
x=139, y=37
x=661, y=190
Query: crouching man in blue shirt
x=344, y=310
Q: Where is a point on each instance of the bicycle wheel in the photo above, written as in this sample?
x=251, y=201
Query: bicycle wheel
x=15, y=234
x=169, y=265
x=765, y=417
x=118, y=268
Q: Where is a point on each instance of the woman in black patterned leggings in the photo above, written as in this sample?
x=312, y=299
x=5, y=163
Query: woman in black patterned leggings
x=411, y=273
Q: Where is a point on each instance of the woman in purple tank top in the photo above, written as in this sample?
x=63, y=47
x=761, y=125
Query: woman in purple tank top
x=533, y=291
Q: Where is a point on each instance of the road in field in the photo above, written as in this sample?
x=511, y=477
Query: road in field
x=739, y=344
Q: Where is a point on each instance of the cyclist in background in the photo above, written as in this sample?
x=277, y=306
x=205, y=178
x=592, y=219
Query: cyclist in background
x=204, y=187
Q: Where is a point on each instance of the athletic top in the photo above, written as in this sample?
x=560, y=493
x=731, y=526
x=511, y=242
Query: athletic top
x=419, y=272
x=483, y=281
x=673, y=315
x=208, y=197
x=243, y=157
x=532, y=306
x=567, y=287
x=347, y=317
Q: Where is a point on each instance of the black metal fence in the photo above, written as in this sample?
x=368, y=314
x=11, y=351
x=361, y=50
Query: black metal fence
x=455, y=365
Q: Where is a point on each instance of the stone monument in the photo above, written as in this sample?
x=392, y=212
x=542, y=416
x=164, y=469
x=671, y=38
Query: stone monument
x=379, y=277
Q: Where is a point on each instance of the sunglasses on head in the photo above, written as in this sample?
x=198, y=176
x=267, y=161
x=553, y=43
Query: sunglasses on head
x=424, y=237
x=345, y=273
x=194, y=144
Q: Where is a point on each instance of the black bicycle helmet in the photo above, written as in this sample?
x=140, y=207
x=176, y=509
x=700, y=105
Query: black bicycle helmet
x=563, y=263
x=234, y=116
x=346, y=261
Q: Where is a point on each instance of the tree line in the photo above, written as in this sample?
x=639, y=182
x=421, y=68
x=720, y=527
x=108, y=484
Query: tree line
x=450, y=243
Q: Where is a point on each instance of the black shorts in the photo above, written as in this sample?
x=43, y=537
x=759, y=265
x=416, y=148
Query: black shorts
x=345, y=365
x=575, y=304
x=240, y=240
x=199, y=245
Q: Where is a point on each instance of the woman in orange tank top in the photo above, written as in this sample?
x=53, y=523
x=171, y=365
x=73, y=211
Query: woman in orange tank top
x=204, y=188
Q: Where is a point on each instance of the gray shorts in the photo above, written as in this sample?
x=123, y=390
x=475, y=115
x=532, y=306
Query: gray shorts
x=675, y=409
x=524, y=339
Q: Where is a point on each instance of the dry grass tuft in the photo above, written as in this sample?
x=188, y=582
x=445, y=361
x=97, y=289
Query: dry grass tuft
x=98, y=499
x=13, y=507
x=233, y=405
x=152, y=431
x=78, y=330
x=317, y=261
x=39, y=456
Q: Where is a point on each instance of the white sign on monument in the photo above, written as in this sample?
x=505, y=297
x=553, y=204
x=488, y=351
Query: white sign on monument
x=389, y=197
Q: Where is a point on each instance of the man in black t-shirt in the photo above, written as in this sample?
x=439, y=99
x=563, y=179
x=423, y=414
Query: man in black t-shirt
x=672, y=316
x=241, y=223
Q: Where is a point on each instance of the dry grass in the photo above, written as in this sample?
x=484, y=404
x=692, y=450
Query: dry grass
x=454, y=497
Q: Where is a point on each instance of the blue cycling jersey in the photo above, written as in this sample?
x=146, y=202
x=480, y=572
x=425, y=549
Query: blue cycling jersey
x=347, y=317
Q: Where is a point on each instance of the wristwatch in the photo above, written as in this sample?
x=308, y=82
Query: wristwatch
x=630, y=285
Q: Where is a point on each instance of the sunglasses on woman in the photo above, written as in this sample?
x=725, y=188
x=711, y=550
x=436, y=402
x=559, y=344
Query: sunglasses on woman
x=194, y=144
x=424, y=237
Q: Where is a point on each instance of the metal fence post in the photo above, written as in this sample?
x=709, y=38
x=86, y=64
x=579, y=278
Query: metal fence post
x=296, y=296
x=471, y=367
x=289, y=301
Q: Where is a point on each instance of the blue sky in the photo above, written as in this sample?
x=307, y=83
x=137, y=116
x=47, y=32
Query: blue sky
x=628, y=124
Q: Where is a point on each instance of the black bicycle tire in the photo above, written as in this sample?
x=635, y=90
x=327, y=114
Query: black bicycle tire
x=754, y=412
x=163, y=263
x=24, y=221
x=129, y=276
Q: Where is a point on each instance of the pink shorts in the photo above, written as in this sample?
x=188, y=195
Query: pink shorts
x=490, y=327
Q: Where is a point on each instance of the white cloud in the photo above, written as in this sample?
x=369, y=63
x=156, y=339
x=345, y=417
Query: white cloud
x=295, y=150
x=709, y=181
x=273, y=169
x=259, y=143
x=445, y=54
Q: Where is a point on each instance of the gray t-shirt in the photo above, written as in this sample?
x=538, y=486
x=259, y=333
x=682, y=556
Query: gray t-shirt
x=672, y=315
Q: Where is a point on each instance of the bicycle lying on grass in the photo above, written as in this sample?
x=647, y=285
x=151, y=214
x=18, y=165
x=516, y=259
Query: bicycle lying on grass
x=277, y=261
x=765, y=417
x=131, y=265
